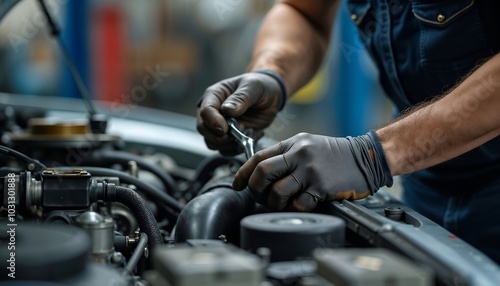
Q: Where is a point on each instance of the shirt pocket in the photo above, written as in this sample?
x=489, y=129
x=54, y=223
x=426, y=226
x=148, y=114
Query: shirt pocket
x=361, y=14
x=451, y=34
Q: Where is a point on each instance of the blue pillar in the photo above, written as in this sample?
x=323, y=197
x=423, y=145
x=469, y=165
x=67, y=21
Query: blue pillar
x=75, y=35
x=353, y=83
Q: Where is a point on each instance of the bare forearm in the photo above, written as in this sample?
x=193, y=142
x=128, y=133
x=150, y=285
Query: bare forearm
x=460, y=121
x=293, y=40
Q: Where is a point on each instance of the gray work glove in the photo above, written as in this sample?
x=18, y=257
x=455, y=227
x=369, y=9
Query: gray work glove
x=253, y=99
x=306, y=169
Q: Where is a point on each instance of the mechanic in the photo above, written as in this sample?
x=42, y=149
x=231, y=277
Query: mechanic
x=438, y=62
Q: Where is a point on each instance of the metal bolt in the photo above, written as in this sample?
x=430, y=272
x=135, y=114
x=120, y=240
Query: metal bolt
x=133, y=169
x=222, y=237
x=265, y=255
x=394, y=213
x=116, y=257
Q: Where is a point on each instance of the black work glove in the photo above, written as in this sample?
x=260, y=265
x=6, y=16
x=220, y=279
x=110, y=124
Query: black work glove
x=253, y=99
x=306, y=169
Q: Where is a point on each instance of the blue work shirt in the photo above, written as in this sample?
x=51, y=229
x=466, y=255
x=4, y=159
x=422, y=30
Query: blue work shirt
x=424, y=48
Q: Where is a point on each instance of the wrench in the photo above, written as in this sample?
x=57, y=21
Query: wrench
x=245, y=141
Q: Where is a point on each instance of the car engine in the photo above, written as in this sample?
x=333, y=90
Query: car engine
x=145, y=203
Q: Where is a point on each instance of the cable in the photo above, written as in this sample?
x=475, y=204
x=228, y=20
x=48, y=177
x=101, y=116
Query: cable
x=136, y=255
x=108, y=157
x=206, y=167
x=31, y=163
x=87, y=100
x=149, y=191
x=98, y=122
x=4, y=171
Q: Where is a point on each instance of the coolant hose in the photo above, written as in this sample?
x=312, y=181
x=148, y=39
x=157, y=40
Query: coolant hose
x=136, y=204
x=148, y=190
x=110, y=157
x=205, y=169
x=216, y=211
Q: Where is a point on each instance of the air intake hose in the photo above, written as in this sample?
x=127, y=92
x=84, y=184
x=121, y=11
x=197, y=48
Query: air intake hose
x=217, y=211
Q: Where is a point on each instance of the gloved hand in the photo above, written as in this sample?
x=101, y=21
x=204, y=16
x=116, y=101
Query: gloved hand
x=304, y=170
x=253, y=99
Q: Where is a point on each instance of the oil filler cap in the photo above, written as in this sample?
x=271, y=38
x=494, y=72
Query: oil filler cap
x=291, y=236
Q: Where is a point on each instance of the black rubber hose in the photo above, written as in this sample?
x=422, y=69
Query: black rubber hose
x=215, y=212
x=207, y=166
x=204, y=169
x=149, y=191
x=4, y=171
x=1, y=190
x=145, y=218
x=23, y=158
x=106, y=158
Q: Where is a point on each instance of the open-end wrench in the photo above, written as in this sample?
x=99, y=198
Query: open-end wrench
x=245, y=141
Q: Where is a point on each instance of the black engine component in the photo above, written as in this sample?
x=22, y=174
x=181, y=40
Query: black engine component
x=291, y=236
x=216, y=213
x=75, y=191
x=63, y=253
x=65, y=190
x=52, y=255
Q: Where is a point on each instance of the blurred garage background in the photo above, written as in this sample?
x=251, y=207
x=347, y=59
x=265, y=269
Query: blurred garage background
x=164, y=53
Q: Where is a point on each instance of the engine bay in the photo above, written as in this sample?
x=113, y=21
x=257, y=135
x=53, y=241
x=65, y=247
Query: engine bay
x=93, y=198
x=81, y=207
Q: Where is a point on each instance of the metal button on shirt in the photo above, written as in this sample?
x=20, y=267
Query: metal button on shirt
x=440, y=18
